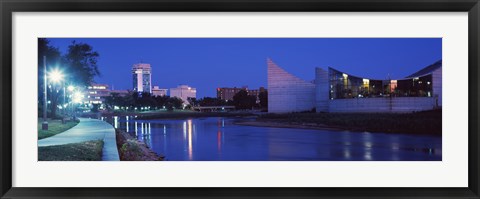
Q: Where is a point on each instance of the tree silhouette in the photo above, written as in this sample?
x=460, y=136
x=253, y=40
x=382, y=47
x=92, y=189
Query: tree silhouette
x=243, y=101
x=78, y=66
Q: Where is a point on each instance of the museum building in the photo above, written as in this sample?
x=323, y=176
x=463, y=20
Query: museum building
x=336, y=91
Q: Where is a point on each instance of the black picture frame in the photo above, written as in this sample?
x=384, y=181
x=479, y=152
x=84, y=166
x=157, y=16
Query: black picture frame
x=7, y=7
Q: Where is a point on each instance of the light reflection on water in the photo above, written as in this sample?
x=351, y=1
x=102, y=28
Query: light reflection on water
x=220, y=139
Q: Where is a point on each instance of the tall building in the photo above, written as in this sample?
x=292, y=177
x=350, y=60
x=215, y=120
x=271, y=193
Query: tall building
x=183, y=92
x=157, y=91
x=142, y=77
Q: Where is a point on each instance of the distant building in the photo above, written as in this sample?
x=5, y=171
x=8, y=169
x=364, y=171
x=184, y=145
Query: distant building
x=336, y=91
x=96, y=93
x=156, y=91
x=183, y=92
x=122, y=93
x=256, y=92
x=228, y=93
x=142, y=77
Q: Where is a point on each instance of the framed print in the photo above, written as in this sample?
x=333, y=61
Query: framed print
x=239, y=99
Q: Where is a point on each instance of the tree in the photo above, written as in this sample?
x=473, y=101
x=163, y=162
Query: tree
x=176, y=102
x=145, y=99
x=263, y=97
x=242, y=100
x=192, y=101
x=161, y=101
x=210, y=101
x=95, y=108
x=81, y=64
x=53, y=58
x=78, y=66
x=114, y=99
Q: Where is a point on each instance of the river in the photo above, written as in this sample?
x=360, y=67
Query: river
x=220, y=139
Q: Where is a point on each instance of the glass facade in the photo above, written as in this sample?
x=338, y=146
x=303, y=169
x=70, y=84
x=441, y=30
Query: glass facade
x=344, y=86
x=135, y=80
x=146, y=82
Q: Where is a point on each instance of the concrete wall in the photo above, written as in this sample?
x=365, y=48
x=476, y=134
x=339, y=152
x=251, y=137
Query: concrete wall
x=287, y=93
x=396, y=105
x=321, y=90
x=437, y=85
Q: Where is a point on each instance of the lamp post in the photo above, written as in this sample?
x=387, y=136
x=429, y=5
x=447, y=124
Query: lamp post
x=77, y=98
x=56, y=76
x=45, y=122
x=71, y=89
x=63, y=105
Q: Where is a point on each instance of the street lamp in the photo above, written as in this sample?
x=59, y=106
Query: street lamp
x=71, y=89
x=45, y=122
x=77, y=98
x=56, y=76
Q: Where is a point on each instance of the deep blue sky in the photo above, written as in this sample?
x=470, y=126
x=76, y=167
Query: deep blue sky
x=208, y=63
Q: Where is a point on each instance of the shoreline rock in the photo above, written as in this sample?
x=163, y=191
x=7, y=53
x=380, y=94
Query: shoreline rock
x=131, y=149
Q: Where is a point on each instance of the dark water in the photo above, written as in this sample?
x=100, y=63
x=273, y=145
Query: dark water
x=220, y=139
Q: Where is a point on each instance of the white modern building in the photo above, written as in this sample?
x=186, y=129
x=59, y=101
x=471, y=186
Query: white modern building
x=183, y=92
x=157, y=91
x=336, y=91
x=142, y=77
x=288, y=93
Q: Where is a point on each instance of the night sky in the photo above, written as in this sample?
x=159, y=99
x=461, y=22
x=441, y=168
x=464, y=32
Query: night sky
x=208, y=63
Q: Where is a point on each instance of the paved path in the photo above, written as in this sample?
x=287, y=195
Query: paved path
x=86, y=130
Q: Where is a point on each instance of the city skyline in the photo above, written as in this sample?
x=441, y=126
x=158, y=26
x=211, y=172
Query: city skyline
x=324, y=100
x=207, y=64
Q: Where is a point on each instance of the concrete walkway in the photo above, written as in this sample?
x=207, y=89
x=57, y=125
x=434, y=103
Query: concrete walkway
x=86, y=130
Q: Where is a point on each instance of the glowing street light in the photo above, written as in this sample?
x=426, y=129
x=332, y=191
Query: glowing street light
x=77, y=97
x=56, y=76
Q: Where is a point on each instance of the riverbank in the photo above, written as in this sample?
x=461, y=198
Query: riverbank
x=130, y=149
x=176, y=114
x=426, y=122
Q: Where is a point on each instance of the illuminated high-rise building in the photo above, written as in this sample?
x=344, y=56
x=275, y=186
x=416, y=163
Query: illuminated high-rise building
x=142, y=77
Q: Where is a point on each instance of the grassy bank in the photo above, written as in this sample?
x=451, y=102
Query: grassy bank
x=54, y=127
x=84, y=151
x=427, y=122
x=130, y=149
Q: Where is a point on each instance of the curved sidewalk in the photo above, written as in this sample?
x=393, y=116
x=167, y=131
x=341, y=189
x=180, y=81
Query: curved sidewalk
x=88, y=129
